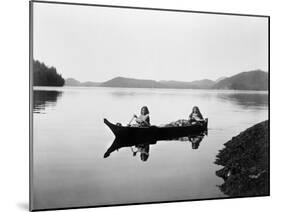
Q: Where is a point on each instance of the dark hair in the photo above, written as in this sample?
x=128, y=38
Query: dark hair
x=146, y=110
x=197, y=108
x=199, y=113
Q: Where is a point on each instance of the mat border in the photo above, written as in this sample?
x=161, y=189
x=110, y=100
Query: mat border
x=31, y=3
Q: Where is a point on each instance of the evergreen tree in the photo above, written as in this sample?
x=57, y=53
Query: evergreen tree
x=46, y=76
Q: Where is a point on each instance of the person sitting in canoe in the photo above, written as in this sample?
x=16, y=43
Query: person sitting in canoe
x=195, y=115
x=143, y=119
x=193, y=118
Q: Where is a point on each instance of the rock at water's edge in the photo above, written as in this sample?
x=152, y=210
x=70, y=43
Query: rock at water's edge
x=246, y=163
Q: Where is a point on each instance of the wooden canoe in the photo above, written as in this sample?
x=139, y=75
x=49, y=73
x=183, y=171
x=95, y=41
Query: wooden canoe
x=126, y=136
x=155, y=132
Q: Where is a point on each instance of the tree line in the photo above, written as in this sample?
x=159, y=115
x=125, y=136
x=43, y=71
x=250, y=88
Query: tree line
x=46, y=76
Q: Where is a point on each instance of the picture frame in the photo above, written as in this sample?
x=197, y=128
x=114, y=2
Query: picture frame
x=251, y=101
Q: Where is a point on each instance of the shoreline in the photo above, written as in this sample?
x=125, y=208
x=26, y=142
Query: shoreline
x=245, y=161
x=181, y=89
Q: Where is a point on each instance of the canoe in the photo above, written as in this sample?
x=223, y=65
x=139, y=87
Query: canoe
x=155, y=132
x=126, y=136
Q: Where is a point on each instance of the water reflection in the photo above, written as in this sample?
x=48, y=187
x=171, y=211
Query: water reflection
x=122, y=93
x=141, y=145
x=43, y=99
x=246, y=99
x=194, y=140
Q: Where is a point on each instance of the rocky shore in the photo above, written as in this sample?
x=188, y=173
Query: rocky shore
x=246, y=163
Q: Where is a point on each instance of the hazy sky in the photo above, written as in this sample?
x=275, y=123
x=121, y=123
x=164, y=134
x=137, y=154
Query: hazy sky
x=97, y=43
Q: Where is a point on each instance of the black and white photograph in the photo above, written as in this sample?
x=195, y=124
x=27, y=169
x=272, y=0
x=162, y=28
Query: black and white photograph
x=139, y=105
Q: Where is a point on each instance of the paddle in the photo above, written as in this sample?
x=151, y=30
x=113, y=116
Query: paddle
x=131, y=120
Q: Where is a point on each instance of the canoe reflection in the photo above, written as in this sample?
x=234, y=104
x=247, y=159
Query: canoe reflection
x=141, y=145
x=195, y=140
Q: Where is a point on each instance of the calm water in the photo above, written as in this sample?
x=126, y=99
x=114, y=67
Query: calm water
x=70, y=139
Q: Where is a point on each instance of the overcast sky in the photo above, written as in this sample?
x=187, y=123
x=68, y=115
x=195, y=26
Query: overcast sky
x=97, y=43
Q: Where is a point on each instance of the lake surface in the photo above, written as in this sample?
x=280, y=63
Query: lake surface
x=70, y=140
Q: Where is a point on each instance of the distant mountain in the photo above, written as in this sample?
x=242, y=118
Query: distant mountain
x=140, y=83
x=177, y=84
x=220, y=79
x=123, y=82
x=203, y=84
x=251, y=80
x=74, y=82
x=90, y=84
x=198, y=84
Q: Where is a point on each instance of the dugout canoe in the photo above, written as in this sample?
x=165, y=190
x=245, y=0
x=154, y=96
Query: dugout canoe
x=155, y=132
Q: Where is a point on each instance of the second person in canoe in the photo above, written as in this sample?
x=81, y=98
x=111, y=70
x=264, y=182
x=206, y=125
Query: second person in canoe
x=195, y=115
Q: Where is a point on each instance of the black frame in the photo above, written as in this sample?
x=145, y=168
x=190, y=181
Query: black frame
x=136, y=8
